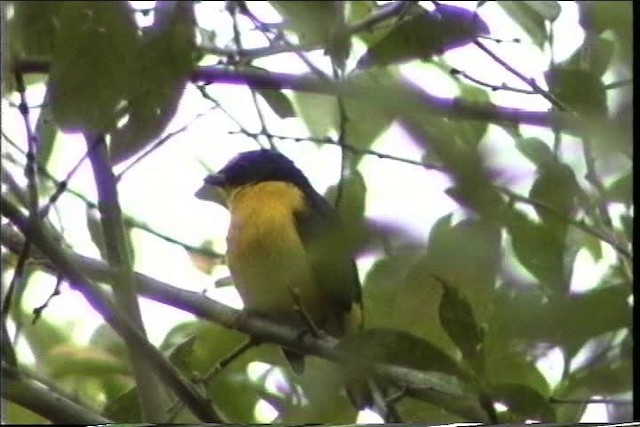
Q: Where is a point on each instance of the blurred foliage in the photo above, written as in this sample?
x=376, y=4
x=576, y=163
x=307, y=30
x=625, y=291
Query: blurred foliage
x=483, y=301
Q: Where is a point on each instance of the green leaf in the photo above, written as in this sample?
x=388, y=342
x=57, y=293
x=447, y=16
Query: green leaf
x=549, y=10
x=381, y=284
x=563, y=320
x=523, y=401
x=528, y=18
x=33, y=28
x=608, y=304
x=278, y=101
x=312, y=21
x=536, y=150
x=67, y=360
x=12, y=413
x=46, y=132
x=90, y=69
x=456, y=317
x=319, y=112
x=627, y=225
x=105, y=338
x=621, y=190
x=470, y=132
x=45, y=336
x=467, y=255
x=425, y=34
x=511, y=365
x=594, y=55
x=556, y=187
x=539, y=249
x=581, y=90
x=352, y=191
x=364, y=121
x=599, y=17
x=164, y=61
x=396, y=347
x=609, y=378
x=124, y=408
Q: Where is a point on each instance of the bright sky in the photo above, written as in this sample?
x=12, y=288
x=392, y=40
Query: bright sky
x=160, y=189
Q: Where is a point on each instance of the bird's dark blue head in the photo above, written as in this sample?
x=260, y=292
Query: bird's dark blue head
x=258, y=166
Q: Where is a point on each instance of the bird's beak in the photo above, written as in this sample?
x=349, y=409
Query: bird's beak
x=213, y=189
x=216, y=179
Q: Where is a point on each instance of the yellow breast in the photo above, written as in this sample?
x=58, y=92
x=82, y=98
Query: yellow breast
x=266, y=256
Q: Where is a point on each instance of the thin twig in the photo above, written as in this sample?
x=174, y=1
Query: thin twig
x=529, y=81
x=578, y=224
x=225, y=361
x=238, y=42
x=37, y=312
x=503, y=86
x=18, y=279
x=163, y=140
x=351, y=148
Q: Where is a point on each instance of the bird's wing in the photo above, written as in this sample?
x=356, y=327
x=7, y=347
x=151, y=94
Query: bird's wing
x=333, y=266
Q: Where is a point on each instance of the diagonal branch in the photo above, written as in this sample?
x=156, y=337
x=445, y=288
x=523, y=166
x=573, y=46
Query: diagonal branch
x=117, y=252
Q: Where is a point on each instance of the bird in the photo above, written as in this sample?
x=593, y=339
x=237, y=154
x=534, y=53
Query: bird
x=286, y=251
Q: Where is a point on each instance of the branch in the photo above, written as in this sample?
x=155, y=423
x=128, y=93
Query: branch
x=43, y=401
x=118, y=255
x=407, y=98
x=102, y=303
x=423, y=385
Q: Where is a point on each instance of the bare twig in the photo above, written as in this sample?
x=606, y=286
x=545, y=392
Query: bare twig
x=503, y=86
x=238, y=42
x=529, y=81
x=351, y=148
x=18, y=279
x=225, y=361
x=163, y=140
x=37, y=312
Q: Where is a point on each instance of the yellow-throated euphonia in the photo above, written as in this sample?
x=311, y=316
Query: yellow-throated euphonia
x=285, y=236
